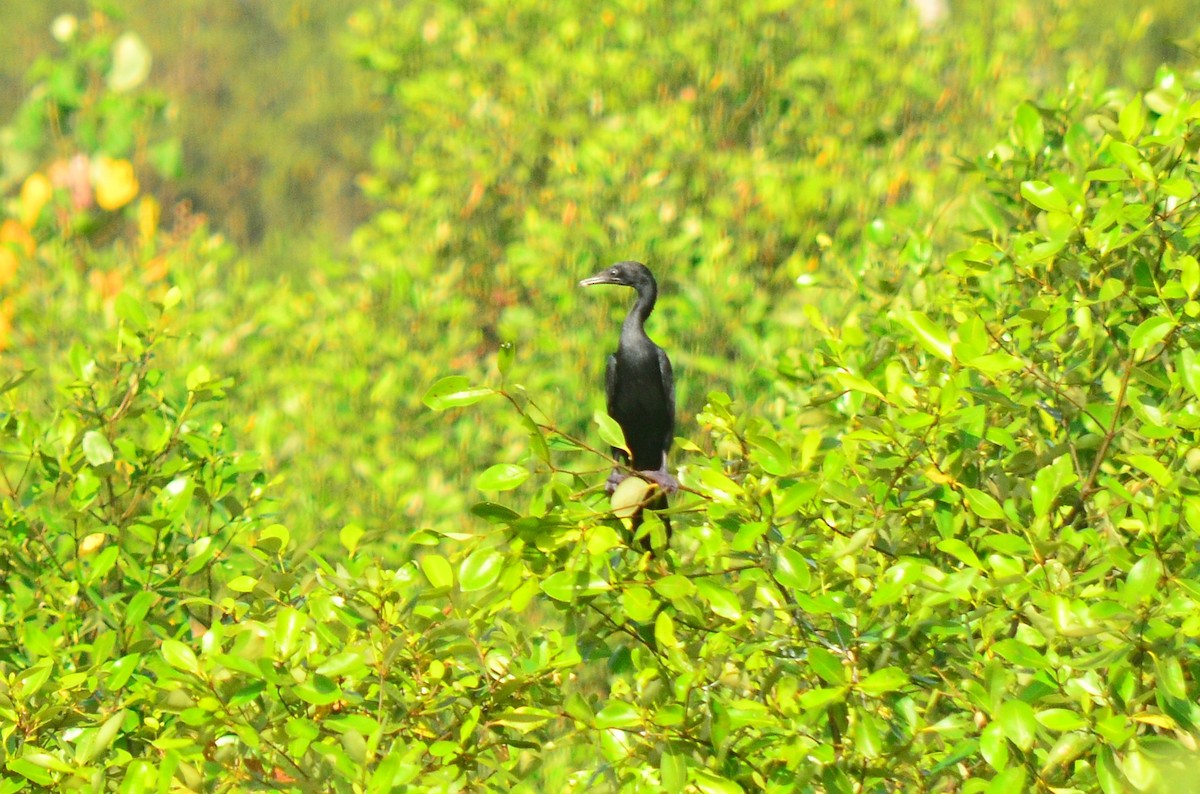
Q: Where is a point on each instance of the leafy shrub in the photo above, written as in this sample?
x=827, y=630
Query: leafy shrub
x=969, y=566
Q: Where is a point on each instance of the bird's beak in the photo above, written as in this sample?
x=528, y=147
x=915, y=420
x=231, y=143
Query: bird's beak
x=599, y=278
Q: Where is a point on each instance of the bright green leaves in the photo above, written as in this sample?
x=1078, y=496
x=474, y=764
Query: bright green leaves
x=930, y=335
x=983, y=504
x=1028, y=132
x=610, y=431
x=480, y=570
x=454, y=391
x=96, y=448
x=1019, y=723
x=180, y=656
x=1044, y=196
x=567, y=586
x=438, y=571
x=501, y=477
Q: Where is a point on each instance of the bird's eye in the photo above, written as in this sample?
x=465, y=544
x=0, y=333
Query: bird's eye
x=613, y=272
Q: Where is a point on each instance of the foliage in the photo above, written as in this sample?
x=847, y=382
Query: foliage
x=937, y=524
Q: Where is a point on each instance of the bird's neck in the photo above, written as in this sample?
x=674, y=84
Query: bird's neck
x=635, y=321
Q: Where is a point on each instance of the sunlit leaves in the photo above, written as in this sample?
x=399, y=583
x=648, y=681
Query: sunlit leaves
x=480, y=570
x=454, y=391
x=1044, y=196
x=930, y=335
x=96, y=448
x=501, y=477
x=567, y=586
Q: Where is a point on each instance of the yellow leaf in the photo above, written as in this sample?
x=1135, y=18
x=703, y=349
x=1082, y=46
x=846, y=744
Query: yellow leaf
x=116, y=184
x=1157, y=720
x=91, y=543
x=148, y=214
x=35, y=193
x=939, y=477
x=629, y=496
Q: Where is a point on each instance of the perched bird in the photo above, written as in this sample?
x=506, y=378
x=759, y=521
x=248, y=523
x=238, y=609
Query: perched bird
x=640, y=389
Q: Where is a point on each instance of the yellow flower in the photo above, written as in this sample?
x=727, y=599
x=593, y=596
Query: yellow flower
x=116, y=184
x=36, y=191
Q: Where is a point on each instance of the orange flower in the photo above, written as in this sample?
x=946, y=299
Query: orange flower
x=15, y=240
x=108, y=283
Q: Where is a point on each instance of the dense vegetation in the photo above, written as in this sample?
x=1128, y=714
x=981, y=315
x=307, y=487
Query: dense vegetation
x=930, y=287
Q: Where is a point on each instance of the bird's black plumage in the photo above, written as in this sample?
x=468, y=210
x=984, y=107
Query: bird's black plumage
x=640, y=386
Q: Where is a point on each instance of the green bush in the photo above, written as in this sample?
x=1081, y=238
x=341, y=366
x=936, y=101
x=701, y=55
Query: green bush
x=936, y=531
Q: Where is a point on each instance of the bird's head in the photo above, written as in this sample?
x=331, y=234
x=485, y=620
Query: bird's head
x=624, y=274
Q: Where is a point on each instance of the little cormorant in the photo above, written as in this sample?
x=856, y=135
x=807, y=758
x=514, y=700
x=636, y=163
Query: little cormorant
x=640, y=388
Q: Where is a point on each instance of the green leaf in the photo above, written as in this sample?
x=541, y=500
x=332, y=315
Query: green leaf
x=983, y=505
x=826, y=665
x=1019, y=723
x=1019, y=654
x=675, y=586
x=567, y=586
x=1044, y=196
x=130, y=310
x=501, y=477
x=437, y=571
x=1059, y=720
x=932, y=336
x=1153, y=468
x=578, y=707
x=960, y=551
x=289, y=630
x=791, y=569
x=1131, y=119
x=1143, y=578
x=29, y=770
x=610, y=431
x=1188, y=367
x=887, y=679
x=1108, y=773
x=1189, y=274
x=717, y=485
x=242, y=584
x=180, y=656
x=96, y=448
x=723, y=602
x=850, y=382
x=103, y=737
x=318, y=690
x=1150, y=332
x=1028, y=131
x=349, y=536
x=618, y=714
x=672, y=767
x=996, y=363
x=664, y=630
x=868, y=735
x=199, y=376
x=274, y=539
x=1049, y=483
x=1131, y=157
x=454, y=391
x=711, y=783
x=480, y=570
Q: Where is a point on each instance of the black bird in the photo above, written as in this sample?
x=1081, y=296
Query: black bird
x=640, y=388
